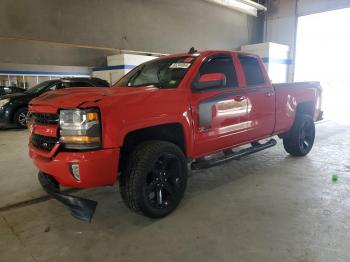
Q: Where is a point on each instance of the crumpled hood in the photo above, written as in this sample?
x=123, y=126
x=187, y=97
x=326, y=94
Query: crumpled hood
x=75, y=97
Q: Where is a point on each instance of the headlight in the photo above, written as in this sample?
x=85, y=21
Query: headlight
x=4, y=102
x=80, y=128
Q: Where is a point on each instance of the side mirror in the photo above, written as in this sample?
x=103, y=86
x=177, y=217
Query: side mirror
x=213, y=80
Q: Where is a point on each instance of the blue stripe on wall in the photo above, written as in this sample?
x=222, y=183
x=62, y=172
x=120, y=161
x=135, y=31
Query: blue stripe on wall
x=15, y=72
x=102, y=68
x=276, y=61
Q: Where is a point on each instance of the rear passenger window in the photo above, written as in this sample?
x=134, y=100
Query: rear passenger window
x=252, y=70
x=221, y=64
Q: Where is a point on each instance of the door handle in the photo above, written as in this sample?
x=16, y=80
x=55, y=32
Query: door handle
x=268, y=94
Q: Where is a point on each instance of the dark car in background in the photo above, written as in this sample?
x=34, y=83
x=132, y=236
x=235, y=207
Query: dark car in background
x=14, y=107
x=5, y=90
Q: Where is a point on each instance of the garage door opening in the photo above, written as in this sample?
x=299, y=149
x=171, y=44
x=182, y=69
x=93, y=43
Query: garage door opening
x=323, y=54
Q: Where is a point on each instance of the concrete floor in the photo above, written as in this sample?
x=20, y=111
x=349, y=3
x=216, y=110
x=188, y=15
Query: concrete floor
x=266, y=207
x=17, y=174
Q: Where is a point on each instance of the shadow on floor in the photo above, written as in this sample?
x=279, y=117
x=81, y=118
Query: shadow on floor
x=9, y=127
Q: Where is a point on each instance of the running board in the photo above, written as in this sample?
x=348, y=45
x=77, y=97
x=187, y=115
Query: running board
x=256, y=147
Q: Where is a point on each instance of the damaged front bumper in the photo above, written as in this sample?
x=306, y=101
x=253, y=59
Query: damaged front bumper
x=79, y=208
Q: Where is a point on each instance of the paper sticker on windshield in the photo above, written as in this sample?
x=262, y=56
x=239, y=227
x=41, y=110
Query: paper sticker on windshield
x=180, y=65
x=188, y=59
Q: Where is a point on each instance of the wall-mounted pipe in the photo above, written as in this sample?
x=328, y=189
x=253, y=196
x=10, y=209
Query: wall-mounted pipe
x=258, y=6
x=116, y=50
x=245, y=6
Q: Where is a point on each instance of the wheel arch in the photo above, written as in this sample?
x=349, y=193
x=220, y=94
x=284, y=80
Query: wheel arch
x=171, y=132
x=307, y=108
x=14, y=111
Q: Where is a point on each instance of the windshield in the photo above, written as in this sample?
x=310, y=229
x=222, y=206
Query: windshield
x=38, y=88
x=162, y=73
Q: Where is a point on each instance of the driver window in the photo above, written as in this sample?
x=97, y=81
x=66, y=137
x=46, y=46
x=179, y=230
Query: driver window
x=221, y=64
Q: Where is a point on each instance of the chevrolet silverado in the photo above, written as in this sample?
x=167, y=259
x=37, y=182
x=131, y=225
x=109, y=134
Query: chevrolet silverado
x=196, y=109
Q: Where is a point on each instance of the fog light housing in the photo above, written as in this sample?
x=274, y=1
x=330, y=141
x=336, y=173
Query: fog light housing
x=74, y=169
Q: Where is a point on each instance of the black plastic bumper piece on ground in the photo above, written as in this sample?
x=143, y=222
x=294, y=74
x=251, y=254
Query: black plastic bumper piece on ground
x=203, y=164
x=80, y=208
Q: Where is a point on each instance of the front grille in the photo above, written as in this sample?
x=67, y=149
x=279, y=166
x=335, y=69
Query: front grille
x=44, y=118
x=44, y=142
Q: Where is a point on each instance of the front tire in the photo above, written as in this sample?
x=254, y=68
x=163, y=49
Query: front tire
x=154, y=180
x=20, y=117
x=300, y=139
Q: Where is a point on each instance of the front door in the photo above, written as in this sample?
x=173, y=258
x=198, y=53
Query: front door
x=218, y=112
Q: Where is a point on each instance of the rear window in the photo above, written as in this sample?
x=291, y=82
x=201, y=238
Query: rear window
x=73, y=84
x=252, y=70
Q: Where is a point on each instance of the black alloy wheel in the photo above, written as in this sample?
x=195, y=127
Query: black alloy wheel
x=306, y=136
x=163, y=183
x=154, y=179
x=300, y=139
x=20, y=117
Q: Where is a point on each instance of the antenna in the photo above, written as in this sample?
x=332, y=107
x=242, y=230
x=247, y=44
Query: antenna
x=192, y=50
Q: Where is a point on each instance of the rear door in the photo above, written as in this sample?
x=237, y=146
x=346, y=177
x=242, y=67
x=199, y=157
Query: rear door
x=218, y=112
x=260, y=95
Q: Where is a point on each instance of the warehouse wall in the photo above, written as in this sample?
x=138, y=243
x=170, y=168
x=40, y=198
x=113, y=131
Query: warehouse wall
x=80, y=70
x=42, y=53
x=164, y=26
x=282, y=16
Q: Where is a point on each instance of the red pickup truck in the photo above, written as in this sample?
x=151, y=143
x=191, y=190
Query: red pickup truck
x=197, y=108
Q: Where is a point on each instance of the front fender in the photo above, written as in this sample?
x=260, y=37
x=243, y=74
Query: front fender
x=183, y=120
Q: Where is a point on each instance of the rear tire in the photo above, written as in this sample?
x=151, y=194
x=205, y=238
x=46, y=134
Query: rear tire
x=300, y=139
x=154, y=180
x=20, y=117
